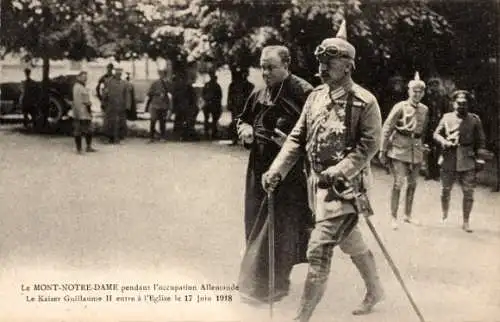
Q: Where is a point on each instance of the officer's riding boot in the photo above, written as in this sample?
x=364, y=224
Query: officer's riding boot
x=410, y=193
x=467, y=208
x=445, y=205
x=365, y=263
x=394, y=206
x=312, y=294
x=78, y=143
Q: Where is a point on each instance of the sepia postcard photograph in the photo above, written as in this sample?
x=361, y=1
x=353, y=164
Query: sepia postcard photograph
x=250, y=160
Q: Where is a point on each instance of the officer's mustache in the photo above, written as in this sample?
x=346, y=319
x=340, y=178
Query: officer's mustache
x=322, y=74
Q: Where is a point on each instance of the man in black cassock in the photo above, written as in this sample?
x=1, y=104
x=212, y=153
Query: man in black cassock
x=268, y=116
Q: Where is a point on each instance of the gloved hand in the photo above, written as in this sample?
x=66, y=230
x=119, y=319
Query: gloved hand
x=270, y=180
x=245, y=133
x=329, y=176
x=334, y=180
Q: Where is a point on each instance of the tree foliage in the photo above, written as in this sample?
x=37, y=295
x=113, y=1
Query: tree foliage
x=237, y=30
x=74, y=29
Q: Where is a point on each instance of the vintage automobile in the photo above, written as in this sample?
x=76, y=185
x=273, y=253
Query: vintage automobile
x=60, y=98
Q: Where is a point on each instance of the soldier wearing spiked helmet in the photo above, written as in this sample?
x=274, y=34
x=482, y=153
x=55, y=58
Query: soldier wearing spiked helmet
x=402, y=147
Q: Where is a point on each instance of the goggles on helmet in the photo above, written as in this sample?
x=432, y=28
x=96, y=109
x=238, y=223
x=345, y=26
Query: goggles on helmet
x=323, y=53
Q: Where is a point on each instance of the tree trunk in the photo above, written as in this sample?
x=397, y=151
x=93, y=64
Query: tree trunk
x=497, y=144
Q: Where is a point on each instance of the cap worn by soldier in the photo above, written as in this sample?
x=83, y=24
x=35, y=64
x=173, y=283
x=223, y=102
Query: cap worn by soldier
x=337, y=47
x=416, y=82
x=461, y=96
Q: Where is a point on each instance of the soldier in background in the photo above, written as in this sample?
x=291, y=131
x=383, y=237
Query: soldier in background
x=402, y=143
x=159, y=103
x=101, y=84
x=212, y=96
x=239, y=91
x=185, y=103
x=437, y=103
x=460, y=134
x=132, y=108
x=29, y=99
x=82, y=113
x=115, y=98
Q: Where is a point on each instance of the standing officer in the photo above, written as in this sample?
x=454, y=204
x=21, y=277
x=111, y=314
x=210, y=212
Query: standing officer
x=402, y=143
x=82, y=113
x=100, y=88
x=339, y=132
x=462, y=138
x=212, y=96
x=132, y=108
x=115, y=98
x=159, y=103
x=29, y=99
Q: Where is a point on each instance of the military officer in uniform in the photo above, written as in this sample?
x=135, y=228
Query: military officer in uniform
x=339, y=132
x=462, y=138
x=115, y=98
x=101, y=84
x=402, y=143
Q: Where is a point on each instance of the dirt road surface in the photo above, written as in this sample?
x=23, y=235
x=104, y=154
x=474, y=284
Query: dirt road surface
x=170, y=214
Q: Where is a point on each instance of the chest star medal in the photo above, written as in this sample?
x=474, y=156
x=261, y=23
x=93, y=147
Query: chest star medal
x=337, y=127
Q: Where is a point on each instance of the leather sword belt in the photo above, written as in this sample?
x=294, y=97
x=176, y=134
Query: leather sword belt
x=409, y=134
x=322, y=165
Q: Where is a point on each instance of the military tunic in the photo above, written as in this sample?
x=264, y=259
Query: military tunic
x=321, y=133
x=81, y=102
x=101, y=88
x=467, y=134
x=82, y=114
x=331, y=134
x=403, y=131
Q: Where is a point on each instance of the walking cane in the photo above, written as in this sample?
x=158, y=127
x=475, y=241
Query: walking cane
x=394, y=268
x=270, y=233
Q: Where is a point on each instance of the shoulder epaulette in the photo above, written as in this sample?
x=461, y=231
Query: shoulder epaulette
x=475, y=116
x=423, y=105
x=361, y=94
x=319, y=87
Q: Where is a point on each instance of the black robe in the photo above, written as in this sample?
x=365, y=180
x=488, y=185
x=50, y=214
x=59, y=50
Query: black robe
x=293, y=218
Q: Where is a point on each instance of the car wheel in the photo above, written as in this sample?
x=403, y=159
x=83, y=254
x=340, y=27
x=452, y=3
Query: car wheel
x=56, y=110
